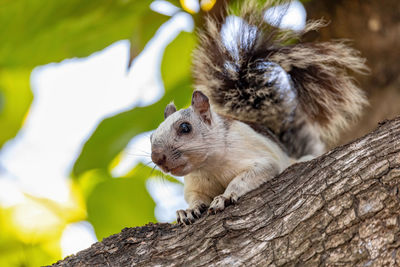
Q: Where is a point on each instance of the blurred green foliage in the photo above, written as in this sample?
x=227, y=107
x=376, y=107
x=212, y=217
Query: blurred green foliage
x=19, y=251
x=118, y=203
x=37, y=32
x=15, y=99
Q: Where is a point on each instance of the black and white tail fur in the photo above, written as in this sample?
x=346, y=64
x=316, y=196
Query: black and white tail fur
x=301, y=91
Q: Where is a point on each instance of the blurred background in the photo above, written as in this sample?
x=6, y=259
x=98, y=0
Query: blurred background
x=83, y=84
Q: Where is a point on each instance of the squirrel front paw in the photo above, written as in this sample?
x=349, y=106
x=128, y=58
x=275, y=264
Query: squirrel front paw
x=189, y=216
x=220, y=202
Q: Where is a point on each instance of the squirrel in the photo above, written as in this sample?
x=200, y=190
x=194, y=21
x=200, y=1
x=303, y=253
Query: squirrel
x=262, y=102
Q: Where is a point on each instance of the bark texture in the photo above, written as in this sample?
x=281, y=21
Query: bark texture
x=341, y=209
x=373, y=27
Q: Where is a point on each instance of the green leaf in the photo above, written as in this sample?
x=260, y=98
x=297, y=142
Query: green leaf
x=88, y=181
x=2, y=102
x=119, y=203
x=15, y=99
x=175, y=2
x=38, y=32
x=177, y=59
x=114, y=133
x=144, y=32
x=132, y=205
x=15, y=252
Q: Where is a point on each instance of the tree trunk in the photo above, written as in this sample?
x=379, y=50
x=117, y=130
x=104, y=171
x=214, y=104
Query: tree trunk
x=341, y=209
x=373, y=27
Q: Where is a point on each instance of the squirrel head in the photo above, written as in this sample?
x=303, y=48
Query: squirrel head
x=181, y=142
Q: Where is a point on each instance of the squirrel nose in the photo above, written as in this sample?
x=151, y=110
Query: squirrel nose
x=158, y=158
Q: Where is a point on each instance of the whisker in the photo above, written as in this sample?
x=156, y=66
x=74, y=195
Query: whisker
x=163, y=178
x=143, y=151
x=148, y=163
x=152, y=170
x=137, y=155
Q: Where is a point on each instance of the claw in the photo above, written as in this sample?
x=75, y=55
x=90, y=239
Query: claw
x=233, y=198
x=210, y=211
x=220, y=202
x=196, y=213
x=189, y=216
x=202, y=208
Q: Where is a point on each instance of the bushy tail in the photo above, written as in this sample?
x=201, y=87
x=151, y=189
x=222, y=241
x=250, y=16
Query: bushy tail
x=256, y=72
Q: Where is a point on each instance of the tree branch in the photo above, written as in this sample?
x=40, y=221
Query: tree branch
x=341, y=208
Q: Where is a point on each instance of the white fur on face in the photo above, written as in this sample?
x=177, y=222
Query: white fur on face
x=184, y=152
x=164, y=128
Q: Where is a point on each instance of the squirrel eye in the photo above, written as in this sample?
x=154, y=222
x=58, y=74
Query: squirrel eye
x=185, y=128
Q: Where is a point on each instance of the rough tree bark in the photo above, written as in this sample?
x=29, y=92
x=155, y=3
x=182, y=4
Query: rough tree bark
x=341, y=209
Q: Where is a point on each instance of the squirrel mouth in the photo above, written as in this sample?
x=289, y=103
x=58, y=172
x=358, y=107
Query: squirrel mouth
x=176, y=170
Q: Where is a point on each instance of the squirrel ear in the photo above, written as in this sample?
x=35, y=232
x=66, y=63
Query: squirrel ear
x=201, y=105
x=169, y=109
